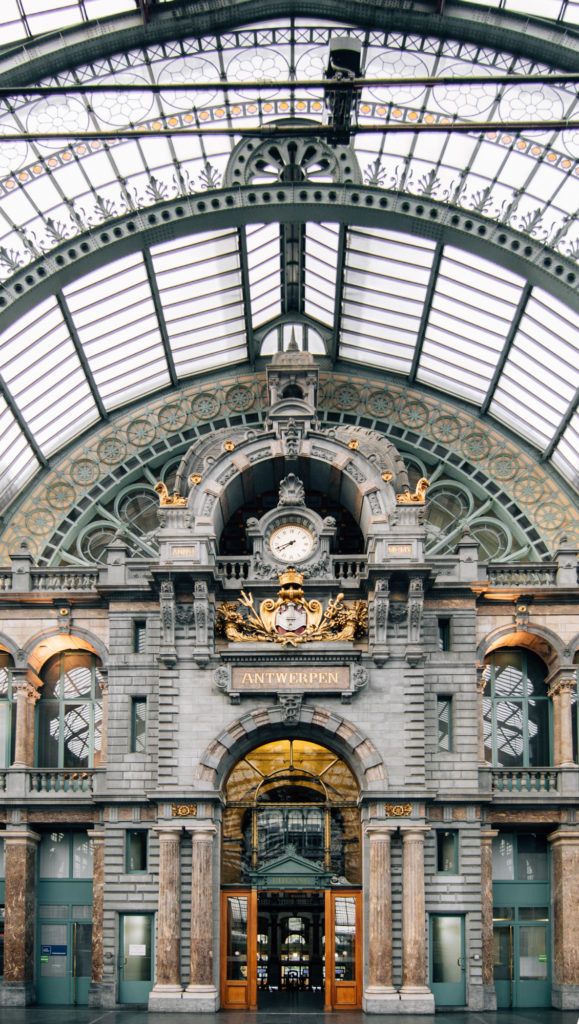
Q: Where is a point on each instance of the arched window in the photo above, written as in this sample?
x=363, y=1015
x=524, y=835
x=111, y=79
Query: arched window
x=574, y=716
x=68, y=731
x=7, y=711
x=516, y=710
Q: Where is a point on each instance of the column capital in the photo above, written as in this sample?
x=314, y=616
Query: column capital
x=488, y=834
x=13, y=835
x=96, y=834
x=414, y=831
x=564, y=835
x=168, y=831
x=200, y=832
x=377, y=830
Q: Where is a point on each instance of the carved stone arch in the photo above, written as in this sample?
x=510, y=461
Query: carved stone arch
x=546, y=644
x=316, y=723
x=572, y=648
x=343, y=471
x=55, y=641
x=11, y=648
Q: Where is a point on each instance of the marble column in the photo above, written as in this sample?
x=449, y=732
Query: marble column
x=168, y=952
x=98, y=884
x=20, y=914
x=414, y=992
x=380, y=994
x=26, y=697
x=562, y=685
x=565, y=925
x=486, y=884
x=201, y=994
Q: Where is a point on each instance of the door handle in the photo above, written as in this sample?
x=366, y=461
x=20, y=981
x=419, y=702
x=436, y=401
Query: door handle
x=460, y=962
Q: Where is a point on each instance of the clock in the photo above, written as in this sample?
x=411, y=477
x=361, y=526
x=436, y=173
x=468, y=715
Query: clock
x=291, y=543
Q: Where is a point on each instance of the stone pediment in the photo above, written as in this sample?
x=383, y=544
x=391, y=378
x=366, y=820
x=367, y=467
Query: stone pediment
x=291, y=870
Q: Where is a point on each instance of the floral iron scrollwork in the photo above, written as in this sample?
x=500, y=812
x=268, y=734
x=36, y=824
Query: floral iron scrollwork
x=290, y=619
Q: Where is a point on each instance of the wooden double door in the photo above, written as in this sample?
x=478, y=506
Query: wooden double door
x=291, y=949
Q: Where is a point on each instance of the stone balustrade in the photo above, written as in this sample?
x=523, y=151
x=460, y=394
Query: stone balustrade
x=521, y=780
x=64, y=580
x=522, y=574
x=61, y=781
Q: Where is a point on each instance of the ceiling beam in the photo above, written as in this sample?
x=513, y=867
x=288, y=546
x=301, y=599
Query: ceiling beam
x=244, y=269
x=426, y=311
x=334, y=350
x=572, y=409
x=79, y=349
x=152, y=278
x=22, y=424
x=513, y=329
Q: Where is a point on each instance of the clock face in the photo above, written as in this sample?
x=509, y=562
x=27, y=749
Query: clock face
x=291, y=543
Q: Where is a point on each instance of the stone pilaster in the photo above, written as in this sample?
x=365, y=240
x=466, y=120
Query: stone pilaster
x=380, y=995
x=201, y=996
x=26, y=697
x=168, y=966
x=414, y=992
x=18, y=988
x=562, y=684
x=565, y=926
x=98, y=885
x=486, y=885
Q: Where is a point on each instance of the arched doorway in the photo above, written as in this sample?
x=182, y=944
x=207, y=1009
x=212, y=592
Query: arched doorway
x=291, y=876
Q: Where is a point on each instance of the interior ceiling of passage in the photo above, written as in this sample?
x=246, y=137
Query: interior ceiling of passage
x=442, y=317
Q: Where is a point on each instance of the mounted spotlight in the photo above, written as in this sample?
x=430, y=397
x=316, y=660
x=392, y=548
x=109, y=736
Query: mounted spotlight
x=344, y=64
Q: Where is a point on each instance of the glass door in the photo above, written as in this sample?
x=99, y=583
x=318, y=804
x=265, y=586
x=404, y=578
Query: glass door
x=343, y=950
x=521, y=960
x=447, y=970
x=136, y=961
x=239, y=950
x=65, y=953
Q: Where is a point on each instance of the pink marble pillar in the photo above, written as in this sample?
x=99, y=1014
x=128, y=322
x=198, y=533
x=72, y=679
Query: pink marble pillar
x=168, y=952
x=565, y=891
x=414, y=988
x=20, y=908
x=201, y=993
x=98, y=839
x=380, y=991
x=486, y=884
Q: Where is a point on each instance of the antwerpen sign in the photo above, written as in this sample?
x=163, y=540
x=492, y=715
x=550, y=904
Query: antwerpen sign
x=303, y=678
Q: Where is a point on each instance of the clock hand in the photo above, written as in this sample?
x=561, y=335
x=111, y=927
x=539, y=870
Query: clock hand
x=286, y=545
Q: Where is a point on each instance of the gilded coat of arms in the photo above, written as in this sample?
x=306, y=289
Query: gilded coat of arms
x=290, y=619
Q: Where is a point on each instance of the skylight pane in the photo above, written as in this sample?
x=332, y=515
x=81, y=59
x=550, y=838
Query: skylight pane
x=264, y=271
x=473, y=305
x=385, y=284
x=18, y=461
x=322, y=242
x=199, y=282
x=114, y=315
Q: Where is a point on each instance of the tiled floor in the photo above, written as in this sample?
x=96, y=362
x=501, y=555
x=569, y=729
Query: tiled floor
x=83, y=1015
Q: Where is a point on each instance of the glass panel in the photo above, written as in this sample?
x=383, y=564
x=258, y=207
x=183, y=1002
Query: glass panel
x=345, y=938
x=76, y=735
x=502, y=947
x=538, y=725
x=82, y=855
x=532, y=863
x=137, y=947
x=237, y=938
x=533, y=953
x=443, y=707
x=509, y=675
x=2, y=859
x=137, y=850
x=82, y=912
x=139, y=709
x=82, y=949
x=503, y=913
x=503, y=858
x=5, y=708
x=53, y=910
x=446, y=851
x=77, y=675
x=54, y=855
x=533, y=913
x=446, y=949
x=48, y=734
x=53, y=950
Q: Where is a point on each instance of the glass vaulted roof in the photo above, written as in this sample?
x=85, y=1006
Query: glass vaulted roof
x=398, y=301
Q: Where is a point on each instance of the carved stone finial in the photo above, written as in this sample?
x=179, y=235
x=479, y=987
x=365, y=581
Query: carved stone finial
x=291, y=491
x=293, y=345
